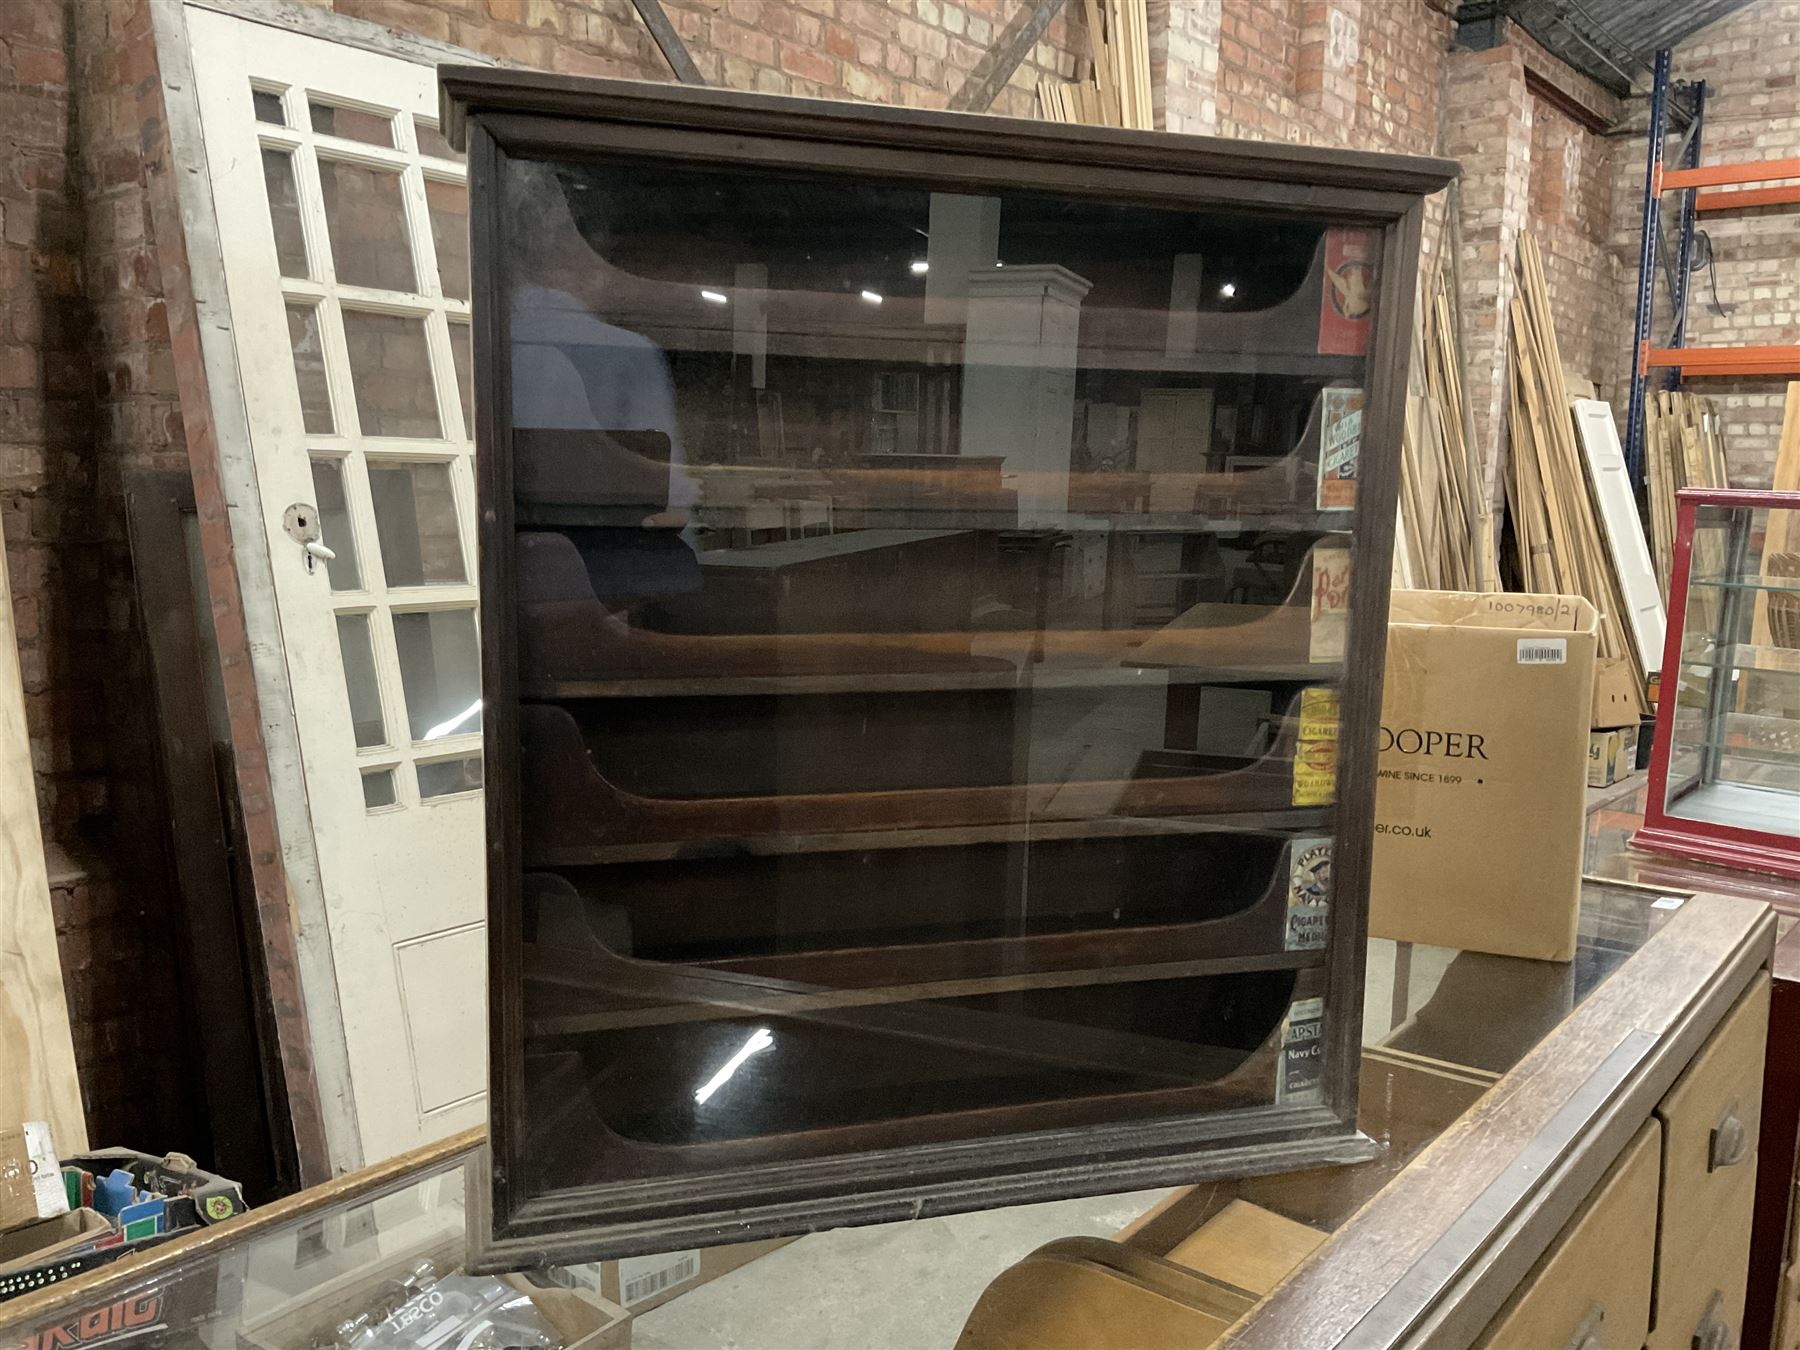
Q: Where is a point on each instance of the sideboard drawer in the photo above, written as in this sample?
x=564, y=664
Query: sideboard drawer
x=1710, y=1119
x=1591, y=1289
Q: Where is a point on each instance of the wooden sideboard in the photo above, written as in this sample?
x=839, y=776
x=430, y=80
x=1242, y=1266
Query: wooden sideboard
x=1594, y=1190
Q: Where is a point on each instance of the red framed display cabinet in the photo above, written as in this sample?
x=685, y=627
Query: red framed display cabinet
x=1725, y=771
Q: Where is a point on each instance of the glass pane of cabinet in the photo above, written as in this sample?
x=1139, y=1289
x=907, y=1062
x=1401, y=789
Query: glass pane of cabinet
x=930, y=611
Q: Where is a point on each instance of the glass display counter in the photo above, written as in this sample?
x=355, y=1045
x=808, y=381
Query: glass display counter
x=1725, y=771
x=340, y=1261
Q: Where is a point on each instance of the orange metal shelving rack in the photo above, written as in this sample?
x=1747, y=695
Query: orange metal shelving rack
x=1777, y=184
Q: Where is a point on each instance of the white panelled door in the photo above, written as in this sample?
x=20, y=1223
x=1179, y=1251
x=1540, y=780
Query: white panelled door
x=342, y=223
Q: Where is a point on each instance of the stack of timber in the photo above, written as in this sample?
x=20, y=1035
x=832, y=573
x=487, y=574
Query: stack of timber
x=1684, y=446
x=1556, y=524
x=1446, y=537
x=1118, y=95
x=1775, y=621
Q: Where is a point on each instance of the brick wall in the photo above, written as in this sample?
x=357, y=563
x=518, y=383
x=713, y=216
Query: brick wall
x=1488, y=118
x=47, y=418
x=65, y=437
x=1364, y=73
x=914, y=52
x=1751, y=64
x=1569, y=208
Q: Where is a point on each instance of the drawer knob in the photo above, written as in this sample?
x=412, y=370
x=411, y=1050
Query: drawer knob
x=1730, y=1141
x=1712, y=1333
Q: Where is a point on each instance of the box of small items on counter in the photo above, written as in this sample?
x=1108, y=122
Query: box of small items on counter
x=410, y=1306
x=93, y=1208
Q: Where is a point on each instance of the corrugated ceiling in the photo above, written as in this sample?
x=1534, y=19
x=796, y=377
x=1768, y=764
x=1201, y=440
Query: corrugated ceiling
x=1614, y=41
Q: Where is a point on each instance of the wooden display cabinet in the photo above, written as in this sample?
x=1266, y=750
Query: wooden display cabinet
x=931, y=707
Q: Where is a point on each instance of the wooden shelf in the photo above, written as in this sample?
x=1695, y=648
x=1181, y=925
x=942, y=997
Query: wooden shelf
x=1299, y=820
x=634, y=993
x=1025, y=680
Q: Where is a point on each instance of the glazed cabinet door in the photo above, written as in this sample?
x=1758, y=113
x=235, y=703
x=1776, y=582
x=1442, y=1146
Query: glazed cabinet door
x=919, y=612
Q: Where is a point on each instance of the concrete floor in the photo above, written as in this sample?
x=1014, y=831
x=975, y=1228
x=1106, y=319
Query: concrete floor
x=896, y=1286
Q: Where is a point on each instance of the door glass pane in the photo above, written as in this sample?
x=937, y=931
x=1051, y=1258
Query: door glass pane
x=440, y=671
x=442, y=777
x=309, y=369
x=431, y=140
x=366, y=217
x=359, y=679
x=284, y=212
x=335, y=530
x=378, y=788
x=415, y=519
x=267, y=104
x=352, y=124
x=461, y=357
x=449, y=203
x=390, y=370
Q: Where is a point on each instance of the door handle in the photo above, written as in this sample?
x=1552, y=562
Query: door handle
x=1730, y=1142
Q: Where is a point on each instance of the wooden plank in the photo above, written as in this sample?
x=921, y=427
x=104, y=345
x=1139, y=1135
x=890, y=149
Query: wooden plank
x=1626, y=549
x=1103, y=64
x=1543, y=424
x=1248, y=1247
x=1783, y=533
x=668, y=41
x=37, y=1053
x=995, y=70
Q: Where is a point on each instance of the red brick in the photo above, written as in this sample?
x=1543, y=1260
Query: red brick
x=737, y=40
x=808, y=64
x=39, y=66
x=839, y=41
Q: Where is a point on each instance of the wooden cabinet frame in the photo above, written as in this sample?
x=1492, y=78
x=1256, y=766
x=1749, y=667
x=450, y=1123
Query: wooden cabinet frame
x=502, y=115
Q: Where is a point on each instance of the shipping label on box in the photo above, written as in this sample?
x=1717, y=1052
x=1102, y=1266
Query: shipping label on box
x=1479, y=800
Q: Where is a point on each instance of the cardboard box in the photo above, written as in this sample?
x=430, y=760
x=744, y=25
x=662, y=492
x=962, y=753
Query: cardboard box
x=1482, y=772
x=40, y=1243
x=1615, y=693
x=640, y=1283
x=215, y=1198
x=31, y=1186
x=1612, y=755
